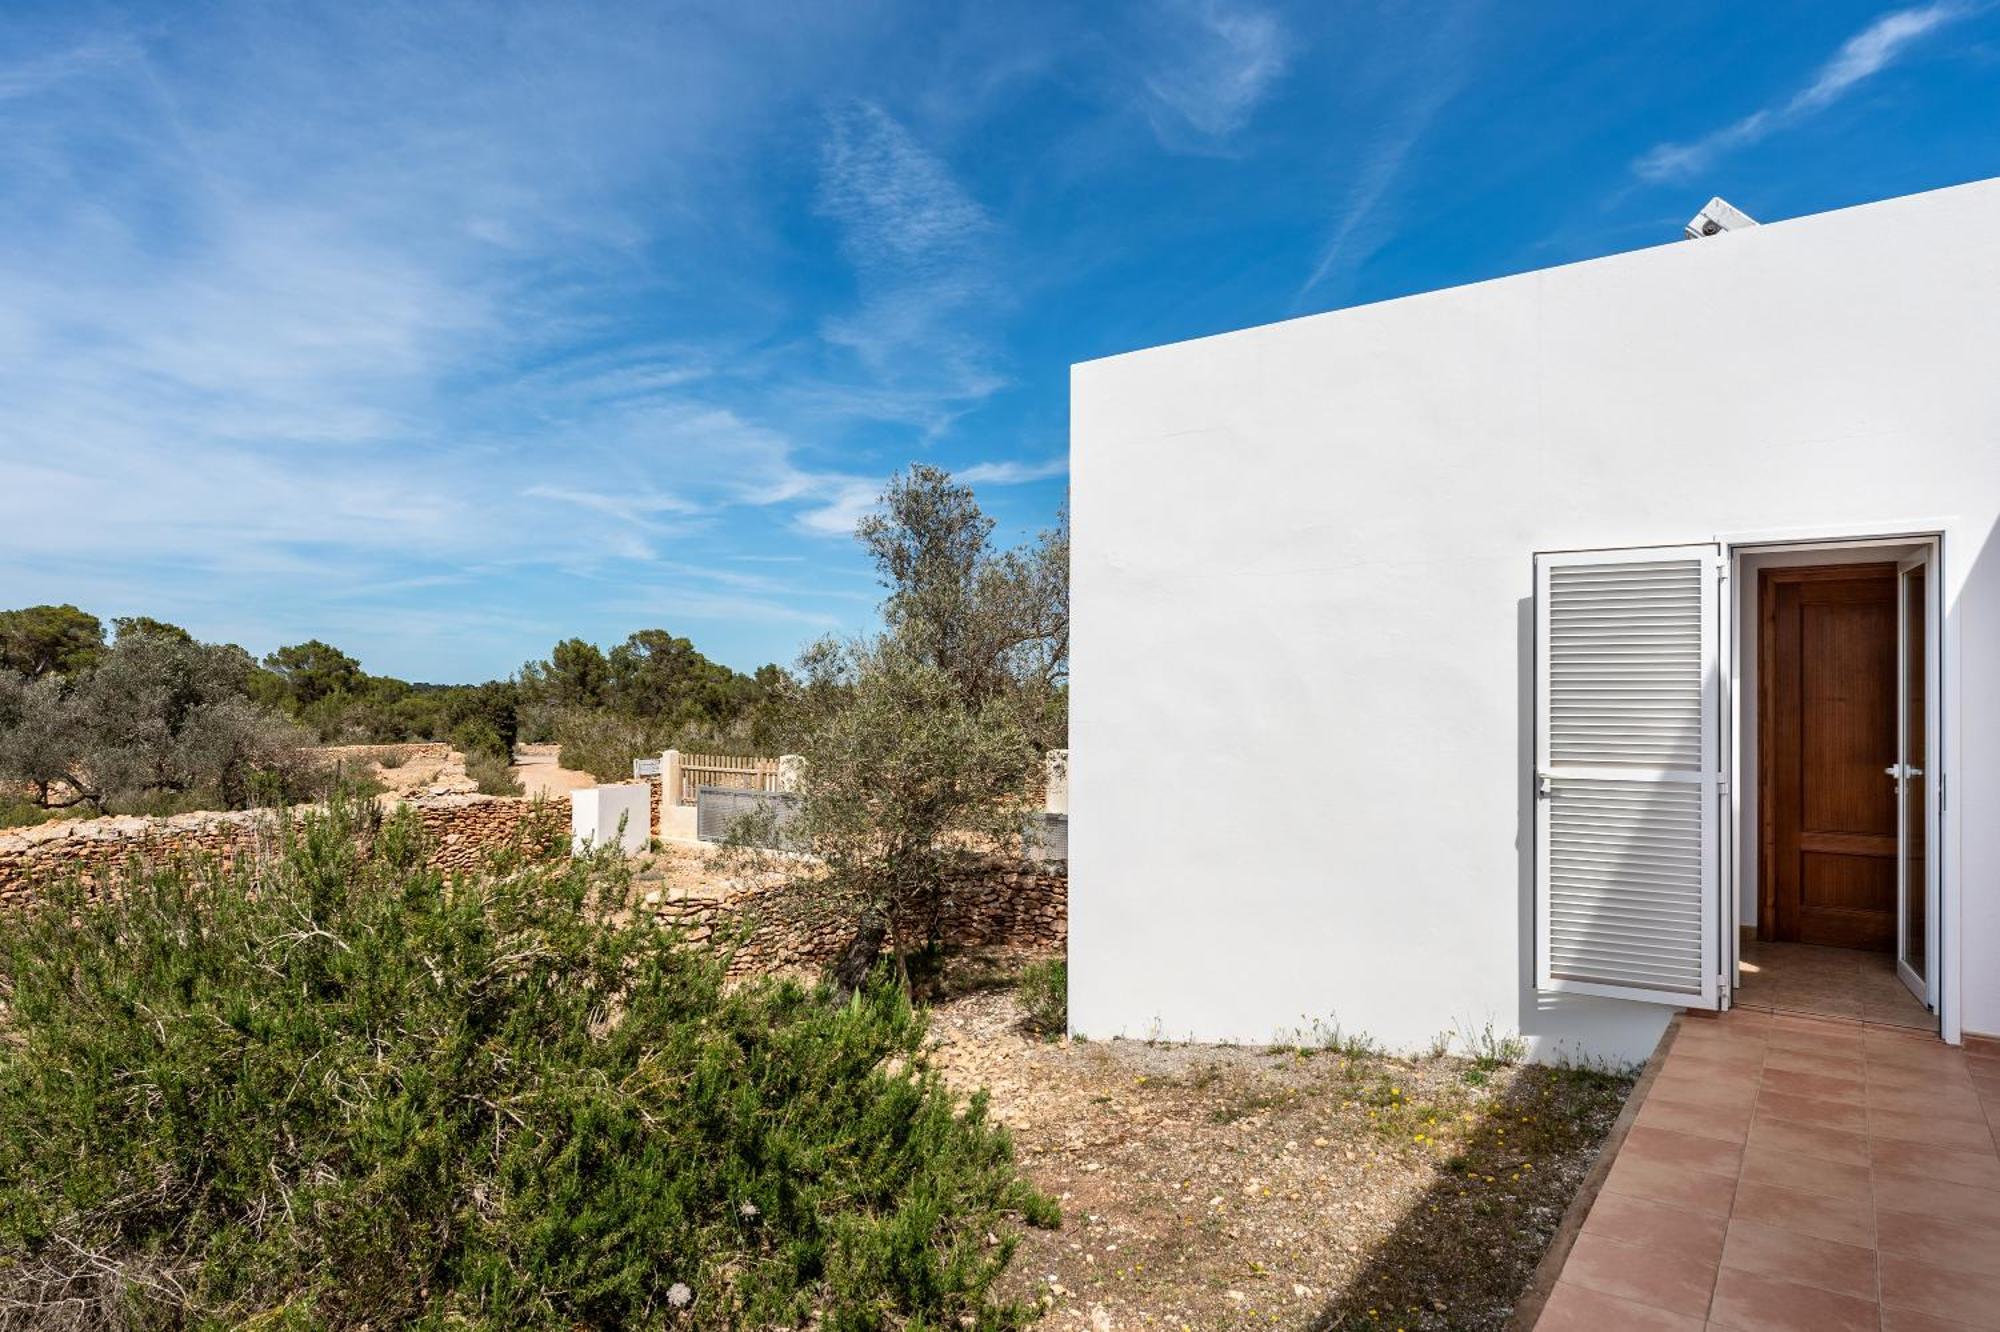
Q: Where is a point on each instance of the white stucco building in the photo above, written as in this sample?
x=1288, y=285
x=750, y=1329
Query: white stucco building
x=1531, y=653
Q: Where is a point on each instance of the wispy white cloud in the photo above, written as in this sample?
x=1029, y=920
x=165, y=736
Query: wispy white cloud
x=1862, y=56
x=39, y=73
x=920, y=247
x=900, y=207
x=720, y=462
x=295, y=313
x=637, y=508
x=1012, y=473
x=1370, y=186
x=843, y=509
x=470, y=316
x=675, y=604
x=1429, y=75
x=1212, y=64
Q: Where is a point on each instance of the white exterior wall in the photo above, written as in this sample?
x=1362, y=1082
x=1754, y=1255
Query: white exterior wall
x=1303, y=593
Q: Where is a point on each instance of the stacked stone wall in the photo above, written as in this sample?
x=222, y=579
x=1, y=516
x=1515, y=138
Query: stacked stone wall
x=1021, y=904
x=463, y=830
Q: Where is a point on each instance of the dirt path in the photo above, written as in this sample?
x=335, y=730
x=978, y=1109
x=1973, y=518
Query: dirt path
x=1310, y=1189
x=539, y=770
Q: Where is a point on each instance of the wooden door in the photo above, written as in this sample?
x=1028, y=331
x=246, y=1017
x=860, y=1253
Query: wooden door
x=1827, y=746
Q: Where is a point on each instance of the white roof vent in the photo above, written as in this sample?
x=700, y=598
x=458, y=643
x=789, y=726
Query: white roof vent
x=1717, y=216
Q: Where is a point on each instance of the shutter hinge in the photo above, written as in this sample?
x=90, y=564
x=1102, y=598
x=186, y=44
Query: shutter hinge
x=1543, y=786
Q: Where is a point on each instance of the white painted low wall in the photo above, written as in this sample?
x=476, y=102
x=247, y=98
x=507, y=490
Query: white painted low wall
x=1303, y=552
x=677, y=823
x=595, y=815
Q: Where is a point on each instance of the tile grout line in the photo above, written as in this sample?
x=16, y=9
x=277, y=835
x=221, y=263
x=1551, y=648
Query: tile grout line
x=1874, y=1208
x=1742, y=1164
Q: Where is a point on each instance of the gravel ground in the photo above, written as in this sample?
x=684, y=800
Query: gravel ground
x=1312, y=1187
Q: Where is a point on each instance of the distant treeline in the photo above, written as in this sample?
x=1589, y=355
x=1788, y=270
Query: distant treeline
x=145, y=716
x=958, y=696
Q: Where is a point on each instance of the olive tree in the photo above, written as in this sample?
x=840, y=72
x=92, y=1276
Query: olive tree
x=995, y=621
x=42, y=741
x=922, y=742
x=159, y=712
x=905, y=785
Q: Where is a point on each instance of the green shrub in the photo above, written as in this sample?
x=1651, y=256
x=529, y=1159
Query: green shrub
x=1044, y=996
x=604, y=744
x=161, y=804
x=490, y=774
x=345, y=778
x=17, y=813
x=353, y=1093
x=478, y=737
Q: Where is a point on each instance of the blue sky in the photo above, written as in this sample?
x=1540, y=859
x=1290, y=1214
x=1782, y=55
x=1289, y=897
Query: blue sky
x=446, y=331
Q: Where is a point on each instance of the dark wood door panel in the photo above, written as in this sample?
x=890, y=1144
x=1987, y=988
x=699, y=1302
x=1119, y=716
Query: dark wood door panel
x=1826, y=731
x=1848, y=844
x=1847, y=693
x=1847, y=901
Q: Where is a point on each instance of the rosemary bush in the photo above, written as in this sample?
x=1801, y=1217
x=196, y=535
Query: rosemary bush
x=340, y=1090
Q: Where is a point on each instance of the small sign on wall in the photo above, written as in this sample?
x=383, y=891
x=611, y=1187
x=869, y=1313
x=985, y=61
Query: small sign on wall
x=646, y=767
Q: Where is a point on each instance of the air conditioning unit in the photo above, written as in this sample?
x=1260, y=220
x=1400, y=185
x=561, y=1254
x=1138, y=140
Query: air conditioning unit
x=1717, y=216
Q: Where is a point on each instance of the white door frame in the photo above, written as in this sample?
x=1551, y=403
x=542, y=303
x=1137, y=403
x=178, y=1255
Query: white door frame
x=1926, y=559
x=1942, y=667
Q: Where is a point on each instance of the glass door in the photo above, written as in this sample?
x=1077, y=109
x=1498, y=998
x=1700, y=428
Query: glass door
x=1916, y=942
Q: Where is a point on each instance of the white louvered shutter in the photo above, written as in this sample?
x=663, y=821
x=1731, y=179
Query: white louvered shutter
x=1627, y=819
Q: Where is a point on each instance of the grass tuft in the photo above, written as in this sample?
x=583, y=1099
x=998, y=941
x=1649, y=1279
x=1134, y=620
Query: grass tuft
x=1044, y=994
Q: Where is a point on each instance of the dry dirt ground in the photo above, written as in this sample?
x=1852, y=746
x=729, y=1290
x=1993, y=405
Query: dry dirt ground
x=1310, y=1187
x=538, y=769
x=415, y=770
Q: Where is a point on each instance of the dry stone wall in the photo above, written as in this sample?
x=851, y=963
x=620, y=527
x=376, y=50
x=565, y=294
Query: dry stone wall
x=1000, y=903
x=463, y=830
x=399, y=751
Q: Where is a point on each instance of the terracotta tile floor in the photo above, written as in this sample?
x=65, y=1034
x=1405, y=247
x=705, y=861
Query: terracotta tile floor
x=1797, y=1173
x=1830, y=982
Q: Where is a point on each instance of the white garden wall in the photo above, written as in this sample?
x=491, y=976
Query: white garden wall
x=603, y=815
x=1302, y=586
